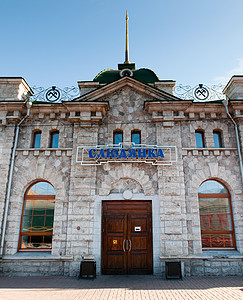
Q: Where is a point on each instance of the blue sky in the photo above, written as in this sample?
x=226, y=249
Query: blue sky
x=56, y=42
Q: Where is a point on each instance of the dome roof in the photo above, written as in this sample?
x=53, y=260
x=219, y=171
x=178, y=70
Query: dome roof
x=143, y=75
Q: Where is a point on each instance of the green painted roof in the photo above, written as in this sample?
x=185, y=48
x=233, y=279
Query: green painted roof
x=143, y=75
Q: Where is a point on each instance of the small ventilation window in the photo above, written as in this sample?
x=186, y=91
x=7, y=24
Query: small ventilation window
x=54, y=139
x=36, y=139
x=136, y=137
x=217, y=139
x=200, y=143
x=117, y=137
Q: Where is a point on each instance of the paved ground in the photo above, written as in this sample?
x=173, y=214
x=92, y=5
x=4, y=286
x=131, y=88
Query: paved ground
x=121, y=287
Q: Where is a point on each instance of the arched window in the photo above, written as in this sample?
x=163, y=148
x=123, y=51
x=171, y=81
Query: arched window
x=136, y=137
x=54, y=138
x=217, y=228
x=200, y=143
x=37, y=217
x=36, y=139
x=117, y=137
x=217, y=138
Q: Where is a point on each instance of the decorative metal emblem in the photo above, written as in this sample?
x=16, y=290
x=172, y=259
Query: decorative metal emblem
x=54, y=94
x=200, y=93
x=126, y=73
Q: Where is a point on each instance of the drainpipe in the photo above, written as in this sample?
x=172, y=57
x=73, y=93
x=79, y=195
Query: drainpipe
x=226, y=103
x=28, y=104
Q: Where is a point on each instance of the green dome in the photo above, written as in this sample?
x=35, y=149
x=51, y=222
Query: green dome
x=143, y=75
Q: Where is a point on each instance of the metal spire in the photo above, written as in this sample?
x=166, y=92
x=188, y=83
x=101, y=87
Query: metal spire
x=127, y=46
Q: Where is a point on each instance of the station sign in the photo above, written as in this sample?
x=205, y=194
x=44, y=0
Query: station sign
x=126, y=152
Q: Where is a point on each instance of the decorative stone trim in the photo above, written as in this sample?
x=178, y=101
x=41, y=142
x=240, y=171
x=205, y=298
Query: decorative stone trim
x=52, y=116
x=207, y=255
x=207, y=151
x=46, y=151
x=77, y=116
x=168, y=124
x=158, y=117
x=239, y=117
x=202, y=115
x=36, y=153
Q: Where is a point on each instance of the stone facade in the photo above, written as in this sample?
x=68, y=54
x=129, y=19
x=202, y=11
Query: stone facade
x=91, y=119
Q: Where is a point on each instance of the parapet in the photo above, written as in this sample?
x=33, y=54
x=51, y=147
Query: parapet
x=234, y=88
x=14, y=89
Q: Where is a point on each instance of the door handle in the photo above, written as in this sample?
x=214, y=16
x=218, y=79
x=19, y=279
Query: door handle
x=130, y=245
x=123, y=245
x=126, y=245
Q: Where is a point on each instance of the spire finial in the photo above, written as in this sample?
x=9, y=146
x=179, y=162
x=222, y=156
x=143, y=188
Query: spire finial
x=127, y=46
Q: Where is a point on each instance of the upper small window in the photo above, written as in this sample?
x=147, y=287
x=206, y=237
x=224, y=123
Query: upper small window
x=136, y=137
x=117, y=137
x=217, y=139
x=54, y=139
x=36, y=139
x=199, y=139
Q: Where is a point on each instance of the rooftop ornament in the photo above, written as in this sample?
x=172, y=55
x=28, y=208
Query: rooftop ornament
x=200, y=93
x=54, y=94
x=127, y=43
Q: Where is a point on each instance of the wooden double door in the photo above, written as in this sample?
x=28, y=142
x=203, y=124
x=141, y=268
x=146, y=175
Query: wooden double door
x=127, y=237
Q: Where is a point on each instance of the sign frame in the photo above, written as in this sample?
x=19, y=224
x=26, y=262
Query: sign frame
x=98, y=153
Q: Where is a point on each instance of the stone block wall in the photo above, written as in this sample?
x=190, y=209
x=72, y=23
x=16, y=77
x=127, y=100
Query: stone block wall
x=127, y=113
x=213, y=267
x=35, y=267
x=29, y=169
x=208, y=126
x=200, y=168
x=6, y=145
x=172, y=196
x=81, y=201
x=46, y=126
x=207, y=267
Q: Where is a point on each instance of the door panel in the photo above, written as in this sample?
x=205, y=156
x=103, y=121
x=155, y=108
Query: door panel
x=114, y=228
x=138, y=264
x=115, y=225
x=127, y=237
x=138, y=243
x=140, y=251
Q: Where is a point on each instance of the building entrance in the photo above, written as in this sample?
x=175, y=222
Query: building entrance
x=127, y=237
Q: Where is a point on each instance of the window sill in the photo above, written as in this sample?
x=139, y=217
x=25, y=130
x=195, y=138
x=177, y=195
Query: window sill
x=36, y=256
x=43, y=149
